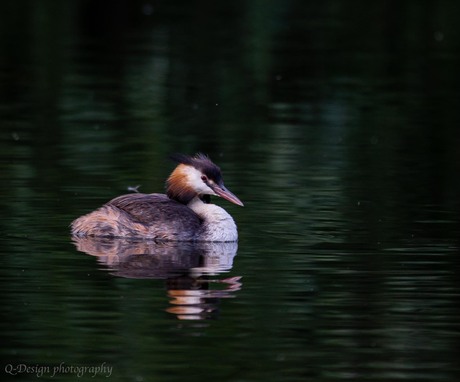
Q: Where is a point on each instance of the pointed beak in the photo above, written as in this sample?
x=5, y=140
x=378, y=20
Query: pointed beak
x=223, y=192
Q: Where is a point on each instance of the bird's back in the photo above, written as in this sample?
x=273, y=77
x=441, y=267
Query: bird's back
x=147, y=216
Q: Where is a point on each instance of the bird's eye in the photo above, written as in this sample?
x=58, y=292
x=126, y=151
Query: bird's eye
x=204, y=178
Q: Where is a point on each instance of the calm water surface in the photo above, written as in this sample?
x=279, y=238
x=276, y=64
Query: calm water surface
x=338, y=128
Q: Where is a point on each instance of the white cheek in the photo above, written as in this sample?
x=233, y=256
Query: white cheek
x=194, y=181
x=204, y=189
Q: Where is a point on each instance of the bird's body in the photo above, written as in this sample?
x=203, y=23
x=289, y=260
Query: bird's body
x=183, y=214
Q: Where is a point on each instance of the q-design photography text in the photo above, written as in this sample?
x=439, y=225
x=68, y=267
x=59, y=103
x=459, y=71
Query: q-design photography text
x=102, y=370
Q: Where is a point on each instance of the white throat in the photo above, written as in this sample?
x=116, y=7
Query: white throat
x=218, y=225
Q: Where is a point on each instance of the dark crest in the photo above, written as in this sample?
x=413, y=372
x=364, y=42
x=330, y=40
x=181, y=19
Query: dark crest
x=200, y=162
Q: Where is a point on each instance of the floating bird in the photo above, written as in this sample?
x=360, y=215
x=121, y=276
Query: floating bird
x=185, y=213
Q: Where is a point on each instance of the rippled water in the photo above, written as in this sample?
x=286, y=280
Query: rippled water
x=337, y=127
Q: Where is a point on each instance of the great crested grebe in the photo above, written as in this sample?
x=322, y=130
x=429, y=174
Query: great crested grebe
x=183, y=214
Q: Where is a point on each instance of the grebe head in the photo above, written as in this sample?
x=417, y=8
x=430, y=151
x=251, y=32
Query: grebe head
x=197, y=176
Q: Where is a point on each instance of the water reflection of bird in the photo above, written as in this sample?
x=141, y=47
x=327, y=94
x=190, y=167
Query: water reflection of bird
x=183, y=214
x=192, y=270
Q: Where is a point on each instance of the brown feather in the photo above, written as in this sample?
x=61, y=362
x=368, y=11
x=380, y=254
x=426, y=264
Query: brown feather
x=153, y=216
x=177, y=187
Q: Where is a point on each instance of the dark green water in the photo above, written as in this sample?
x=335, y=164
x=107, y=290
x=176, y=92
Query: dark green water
x=337, y=124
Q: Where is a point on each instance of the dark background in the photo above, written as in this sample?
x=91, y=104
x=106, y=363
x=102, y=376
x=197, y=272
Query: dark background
x=336, y=123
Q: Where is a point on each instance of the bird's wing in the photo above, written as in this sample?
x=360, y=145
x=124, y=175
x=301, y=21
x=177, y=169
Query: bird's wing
x=151, y=209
